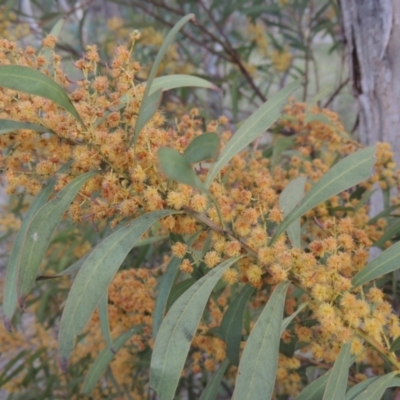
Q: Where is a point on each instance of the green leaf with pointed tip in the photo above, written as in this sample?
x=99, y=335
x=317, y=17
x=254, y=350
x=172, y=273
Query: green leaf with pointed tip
x=202, y=148
x=55, y=31
x=103, y=359
x=395, y=345
x=387, y=261
x=360, y=387
x=104, y=324
x=253, y=127
x=28, y=80
x=279, y=147
x=337, y=381
x=315, y=390
x=232, y=324
x=376, y=389
x=165, y=286
x=10, y=287
x=166, y=43
x=289, y=319
x=177, y=81
x=391, y=231
x=176, y=167
x=147, y=110
x=95, y=276
x=259, y=362
x=211, y=390
x=39, y=232
x=288, y=200
x=346, y=173
x=177, y=331
x=178, y=290
x=163, y=293
x=8, y=125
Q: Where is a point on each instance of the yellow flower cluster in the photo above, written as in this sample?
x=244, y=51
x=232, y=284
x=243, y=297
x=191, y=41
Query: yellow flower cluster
x=238, y=222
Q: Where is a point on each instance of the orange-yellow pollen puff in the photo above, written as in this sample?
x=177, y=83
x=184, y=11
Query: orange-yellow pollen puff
x=179, y=249
x=211, y=259
x=230, y=276
x=49, y=41
x=278, y=273
x=199, y=203
x=275, y=215
x=254, y=273
x=266, y=255
x=375, y=295
x=175, y=200
x=232, y=248
x=186, y=266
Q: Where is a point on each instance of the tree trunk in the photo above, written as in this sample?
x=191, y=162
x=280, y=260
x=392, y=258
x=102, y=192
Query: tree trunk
x=372, y=34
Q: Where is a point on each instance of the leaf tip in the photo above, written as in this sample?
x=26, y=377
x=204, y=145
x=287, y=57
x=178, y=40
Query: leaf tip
x=21, y=302
x=7, y=324
x=63, y=363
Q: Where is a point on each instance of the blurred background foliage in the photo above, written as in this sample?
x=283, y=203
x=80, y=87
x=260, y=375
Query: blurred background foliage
x=250, y=50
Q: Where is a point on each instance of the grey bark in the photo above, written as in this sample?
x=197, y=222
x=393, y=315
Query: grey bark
x=372, y=33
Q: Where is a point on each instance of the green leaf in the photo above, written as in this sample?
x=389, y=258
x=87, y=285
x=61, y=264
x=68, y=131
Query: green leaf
x=28, y=80
x=337, y=381
x=232, y=324
x=39, y=232
x=178, y=290
x=166, y=43
x=253, y=127
x=315, y=390
x=8, y=125
x=279, y=147
x=202, y=148
x=395, y=345
x=147, y=110
x=103, y=359
x=211, y=390
x=176, y=167
x=259, y=362
x=177, y=331
x=10, y=287
x=94, y=277
x=55, y=31
x=360, y=387
x=384, y=263
x=288, y=200
x=104, y=324
x=289, y=319
x=346, y=173
x=164, y=291
x=177, y=81
x=376, y=389
x=390, y=232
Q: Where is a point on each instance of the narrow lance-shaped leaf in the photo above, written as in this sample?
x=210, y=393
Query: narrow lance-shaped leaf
x=202, y=148
x=376, y=389
x=360, y=387
x=177, y=81
x=211, y=390
x=8, y=125
x=166, y=43
x=289, y=198
x=28, y=80
x=176, y=167
x=289, y=319
x=387, y=261
x=346, y=173
x=232, y=324
x=177, y=331
x=95, y=276
x=10, y=287
x=253, y=127
x=55, y=31
x=39, y=232
x=103, y=359
x=104, y=324
x=147, y=110
x=259, y=362
x=165, y=287
x=337, y=381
